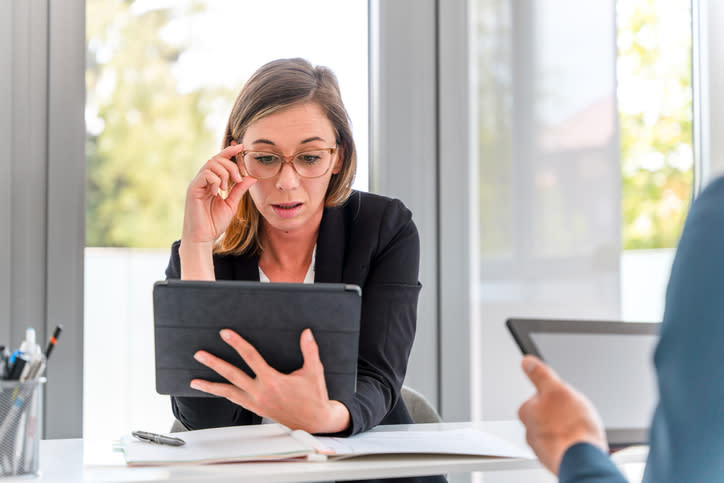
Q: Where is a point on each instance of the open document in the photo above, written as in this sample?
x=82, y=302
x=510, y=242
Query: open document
x=269, y=442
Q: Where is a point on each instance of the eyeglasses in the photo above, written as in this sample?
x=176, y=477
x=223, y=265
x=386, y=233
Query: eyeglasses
x=307, y=164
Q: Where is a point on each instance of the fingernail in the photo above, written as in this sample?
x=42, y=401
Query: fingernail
x=309, y=336
x=225, y=334
x=528, y=365
x=195, y=385
x=199, y=356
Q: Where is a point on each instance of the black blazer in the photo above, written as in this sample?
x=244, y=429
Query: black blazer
x=370, y=241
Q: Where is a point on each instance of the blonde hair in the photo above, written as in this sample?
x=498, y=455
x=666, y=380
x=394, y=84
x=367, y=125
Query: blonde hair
x=273, y=87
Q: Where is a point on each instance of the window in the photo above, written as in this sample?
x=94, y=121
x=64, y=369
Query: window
x=655, y=118
x=545, y=149
x=583, y=154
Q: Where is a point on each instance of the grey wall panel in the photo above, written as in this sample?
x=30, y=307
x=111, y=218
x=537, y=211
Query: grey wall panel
x=456, y=175
x=6, y=138
x=42, y=213
x=404, y=146
x=27, y=168
x=66, y=215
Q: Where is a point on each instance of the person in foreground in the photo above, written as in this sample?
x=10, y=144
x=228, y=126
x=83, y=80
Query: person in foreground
x=276, y=205
x=687, y=432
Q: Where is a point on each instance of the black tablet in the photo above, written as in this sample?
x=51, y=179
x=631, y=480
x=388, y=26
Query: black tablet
x=188, y=316
x=610, y=362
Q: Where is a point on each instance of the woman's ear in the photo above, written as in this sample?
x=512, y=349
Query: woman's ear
x=340, y=159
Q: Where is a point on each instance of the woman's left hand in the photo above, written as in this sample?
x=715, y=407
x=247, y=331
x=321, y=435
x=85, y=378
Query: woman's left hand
x=298, y=400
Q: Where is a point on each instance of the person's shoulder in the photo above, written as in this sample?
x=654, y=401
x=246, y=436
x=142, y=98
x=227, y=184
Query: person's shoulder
x=699, y=260
x=707, y=210
x=370, y=216
x=362, y=205
x=714, y=190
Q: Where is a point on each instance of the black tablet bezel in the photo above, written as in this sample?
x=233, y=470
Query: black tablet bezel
x=522, y=328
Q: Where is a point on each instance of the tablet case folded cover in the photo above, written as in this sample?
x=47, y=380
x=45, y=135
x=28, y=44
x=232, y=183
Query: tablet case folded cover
x=188, y=316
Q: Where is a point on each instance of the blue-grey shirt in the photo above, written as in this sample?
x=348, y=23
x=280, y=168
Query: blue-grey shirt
x=687, y=432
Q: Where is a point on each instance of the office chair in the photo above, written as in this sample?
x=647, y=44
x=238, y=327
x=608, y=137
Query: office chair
x=420, y=409
x=177, y=427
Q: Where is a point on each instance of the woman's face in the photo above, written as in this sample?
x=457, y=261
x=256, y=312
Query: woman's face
x=287, y=201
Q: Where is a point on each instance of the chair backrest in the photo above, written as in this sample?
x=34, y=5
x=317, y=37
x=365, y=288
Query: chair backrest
x=177, y=427
x=420, y=409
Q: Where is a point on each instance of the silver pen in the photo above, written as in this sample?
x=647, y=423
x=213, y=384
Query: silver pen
x=158, y=438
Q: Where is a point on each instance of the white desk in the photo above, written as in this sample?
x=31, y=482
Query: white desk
x=62, y=460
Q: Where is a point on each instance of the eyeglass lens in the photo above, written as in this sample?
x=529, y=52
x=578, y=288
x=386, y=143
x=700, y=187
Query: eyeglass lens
x=309, y=164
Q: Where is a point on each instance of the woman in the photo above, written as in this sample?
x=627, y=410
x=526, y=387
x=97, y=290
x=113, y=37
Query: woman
x=276, y=205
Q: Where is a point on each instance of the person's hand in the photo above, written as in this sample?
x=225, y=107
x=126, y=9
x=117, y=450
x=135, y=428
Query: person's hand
x=207, y=213
x=557, y=416
x=298, y=400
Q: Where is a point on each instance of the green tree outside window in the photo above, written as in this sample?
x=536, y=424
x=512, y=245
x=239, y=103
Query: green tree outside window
x=655, y=114
x=146, y=138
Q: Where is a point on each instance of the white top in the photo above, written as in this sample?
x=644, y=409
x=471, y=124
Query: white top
x=308, y=278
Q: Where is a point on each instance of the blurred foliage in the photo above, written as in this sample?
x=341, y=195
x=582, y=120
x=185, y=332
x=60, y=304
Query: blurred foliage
x=145, y=138
x=494, y=143
x=655, y=114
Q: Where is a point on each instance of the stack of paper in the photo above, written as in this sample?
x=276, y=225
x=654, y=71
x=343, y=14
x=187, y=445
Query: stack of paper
x=268, y=442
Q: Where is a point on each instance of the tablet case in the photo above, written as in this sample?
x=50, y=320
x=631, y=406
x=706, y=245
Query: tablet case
x=188, y=316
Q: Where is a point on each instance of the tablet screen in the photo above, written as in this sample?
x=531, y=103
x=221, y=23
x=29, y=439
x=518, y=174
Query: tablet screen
x=623, y=387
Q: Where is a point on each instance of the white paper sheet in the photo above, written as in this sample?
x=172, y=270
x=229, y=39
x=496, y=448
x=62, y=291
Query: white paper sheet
x=456, y=441
x=236, y=443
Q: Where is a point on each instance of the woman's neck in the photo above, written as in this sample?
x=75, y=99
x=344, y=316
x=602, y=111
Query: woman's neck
x=287, y=255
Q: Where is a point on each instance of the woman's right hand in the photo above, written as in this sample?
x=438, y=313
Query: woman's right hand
x=207, y=213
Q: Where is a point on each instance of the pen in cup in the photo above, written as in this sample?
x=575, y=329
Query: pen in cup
x=4, y=361
x=53, y=340
x=17, y=363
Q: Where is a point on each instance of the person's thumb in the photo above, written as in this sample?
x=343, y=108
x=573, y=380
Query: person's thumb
x=539, y=373
x=238, y=190
x=310, y=351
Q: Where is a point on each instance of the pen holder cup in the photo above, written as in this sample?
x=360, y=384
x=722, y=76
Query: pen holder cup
x=21, y=409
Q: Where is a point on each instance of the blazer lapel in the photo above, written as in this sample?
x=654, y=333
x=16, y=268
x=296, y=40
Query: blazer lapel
x=247, y=268
x=331, y=242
